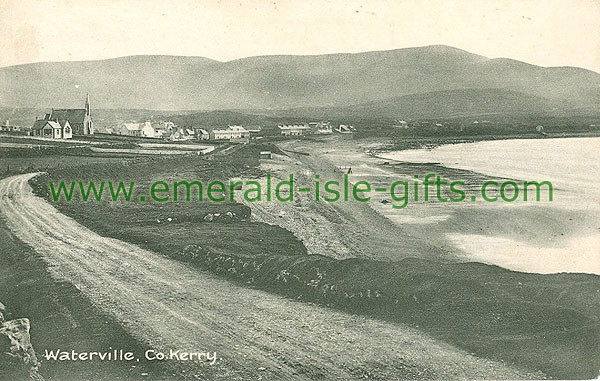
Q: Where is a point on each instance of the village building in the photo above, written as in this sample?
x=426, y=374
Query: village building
x=202, y=134
x=294, y=129
x=7, y=127
x=189, y=133
x=165, y=130
x=174, y=135
x=237, y=134
x=143, y=130
x=345, y=129
x=53, y=129
x=254, y=131
x=159, y=132
x=401, y=124
x=169, y=125
x=320, y=128
x=80, y=120
x=265, y=155
x=165, y=126
x=181, y=134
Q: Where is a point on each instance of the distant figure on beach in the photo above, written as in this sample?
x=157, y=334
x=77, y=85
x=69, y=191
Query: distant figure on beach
x=540, y=130
x=349, y=170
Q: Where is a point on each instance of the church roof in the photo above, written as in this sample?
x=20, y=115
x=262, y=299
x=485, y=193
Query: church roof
x=73, y=115
x=39, y=124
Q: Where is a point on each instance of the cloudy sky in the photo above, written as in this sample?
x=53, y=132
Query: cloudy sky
x=542, y=32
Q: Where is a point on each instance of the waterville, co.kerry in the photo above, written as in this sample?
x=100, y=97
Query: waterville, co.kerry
x=124, y=355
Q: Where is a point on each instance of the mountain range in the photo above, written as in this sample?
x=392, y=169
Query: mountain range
x=414, y=82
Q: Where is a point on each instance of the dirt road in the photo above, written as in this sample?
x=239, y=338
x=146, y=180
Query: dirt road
x=255, y=334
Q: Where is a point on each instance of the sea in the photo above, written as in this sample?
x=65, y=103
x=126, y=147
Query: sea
x=546, y=237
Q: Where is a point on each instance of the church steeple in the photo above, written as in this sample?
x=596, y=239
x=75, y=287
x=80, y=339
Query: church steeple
x=87, y=104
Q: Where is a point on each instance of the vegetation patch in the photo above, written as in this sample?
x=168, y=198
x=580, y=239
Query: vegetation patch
x=543, y=322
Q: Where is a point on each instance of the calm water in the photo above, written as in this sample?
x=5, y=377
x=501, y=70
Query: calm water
x=571, y=164
x=561, y=236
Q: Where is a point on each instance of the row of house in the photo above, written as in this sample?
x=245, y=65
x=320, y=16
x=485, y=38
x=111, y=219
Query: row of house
x=231, y=133
x=170, y=131
x=402, y=124
x=237, y=134
x=293, y=130
x=158, y=130
x=317, y=128
x=7, y=127
x=65, y=123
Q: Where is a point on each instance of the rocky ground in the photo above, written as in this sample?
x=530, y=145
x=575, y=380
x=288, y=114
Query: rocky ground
x=18, y=360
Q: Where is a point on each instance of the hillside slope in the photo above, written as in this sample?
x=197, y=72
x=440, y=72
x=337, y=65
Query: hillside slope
x=280, y=82
x=462, y=102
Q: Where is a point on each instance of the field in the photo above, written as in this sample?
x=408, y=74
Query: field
x=538, y=323
x=147, y=223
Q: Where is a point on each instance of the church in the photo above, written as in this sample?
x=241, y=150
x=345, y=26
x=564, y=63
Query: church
x=79, y=119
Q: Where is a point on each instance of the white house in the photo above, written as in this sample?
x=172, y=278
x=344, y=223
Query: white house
x=54, y=129
x=7, y=127
x=202, y=134
x=401, y=124
x=345, y=129
x=253, y=129
x=265, y=155
x=294, y=129
x=230, y=133
x=159, y=131
x=137, y=129
x=320, y=128
x=189, y=133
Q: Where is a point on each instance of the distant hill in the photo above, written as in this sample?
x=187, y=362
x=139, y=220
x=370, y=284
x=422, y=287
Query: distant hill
x=460, y=103
x=447, y=78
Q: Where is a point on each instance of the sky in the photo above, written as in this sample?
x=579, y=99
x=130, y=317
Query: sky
x=541, y=32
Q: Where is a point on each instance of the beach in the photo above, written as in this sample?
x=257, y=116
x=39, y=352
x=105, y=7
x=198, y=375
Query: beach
x=515, y=235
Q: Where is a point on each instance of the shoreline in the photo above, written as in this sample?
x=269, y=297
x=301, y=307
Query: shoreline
x=422, y=142
x=449, y=227
x=562, y=229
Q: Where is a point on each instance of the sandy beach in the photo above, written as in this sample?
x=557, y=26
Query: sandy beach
x=512, y=235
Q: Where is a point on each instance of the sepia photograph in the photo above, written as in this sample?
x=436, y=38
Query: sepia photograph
x=299, y=190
